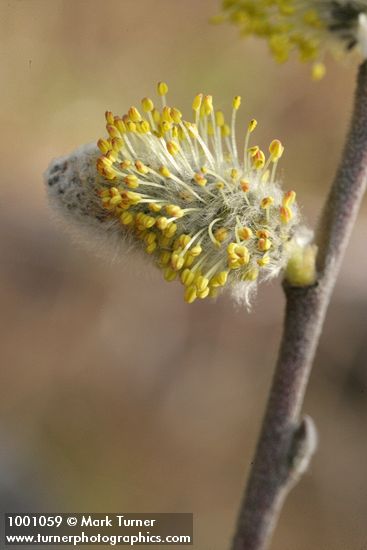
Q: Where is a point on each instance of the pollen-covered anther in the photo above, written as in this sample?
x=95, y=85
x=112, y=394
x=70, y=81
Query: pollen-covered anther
x=173, y=148
x=131, y=181
x=258, y=160
x=245, y=233
x=221, y=234
x=245, y=186
x=266, y=202
x=162, y=88
x=174, y=211
x=252, y=125
x=264, y=244
x=289, y=198
x=205, y=214
x=200, y=179
x=285, y=214
x=276, y=150
x=236, y=102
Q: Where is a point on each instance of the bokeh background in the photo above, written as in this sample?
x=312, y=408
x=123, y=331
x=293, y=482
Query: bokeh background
x=115, y=395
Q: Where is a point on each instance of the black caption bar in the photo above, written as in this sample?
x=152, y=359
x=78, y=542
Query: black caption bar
x=98, y=529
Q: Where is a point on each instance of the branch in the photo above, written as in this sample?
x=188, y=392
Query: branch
x=286, y=444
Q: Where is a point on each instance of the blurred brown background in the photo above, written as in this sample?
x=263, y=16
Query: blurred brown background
x=117, y=396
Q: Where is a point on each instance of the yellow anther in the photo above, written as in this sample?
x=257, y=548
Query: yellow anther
x=251, y=274
x=165, y=127
x=170, y=230
x=266, y=202
x=148, y=221
x=104, y=193
x=219, y=279
x=125, y=164
x=276, y=150
x=103, y=145
x=252, y=125
x=203, y=293
x=219, y=185
x=151, y=248
x=200, y=180
x=154, y=207
x=117, y=144
x=285, y=214
x=162, y=88
x=221, y=234
x=207, y=105
x=264, y=261
x=134, y=198
x=262, y=233
x=111, y=155
x=174, y=210
x=258, y=160
x=126, y=218
x=189, y=260
x=115, y=200
x=172, y=148
x=177, y=261
x=187, y=277
x=164, y=258
x=120, y=125
x=181, y=242
x=147, y=104
x=166, y=114
x=143, y=127
x=102, y=163
x=231, y=249
x=150, y=237
x=134, y=114
x=289, y=198
x=109, y=173
x=225, y=130
x=109, y=117
x=176, y=115
x=131, y=181
x=201, y=283
x=264, y=244
x=113, y=131
x=190, y=294
x=252, y=151
x=243, y=254
x=234, y=174
x=245, y=233
x=141, y=168
x=156, y=116
x=196, y=104
x=131, y=126
x=245, y=186
x=162, y=223
x=233, y=263
x=236, y=102
x=163, y=170
x=170, y=274
x=195, y=251
x=219, y=118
